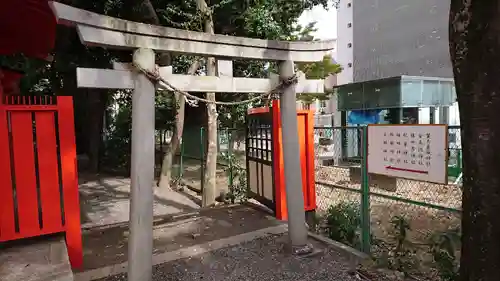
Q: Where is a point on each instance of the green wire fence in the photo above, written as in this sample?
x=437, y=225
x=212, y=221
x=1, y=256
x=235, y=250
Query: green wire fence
x=189, y=162
x=342, y=177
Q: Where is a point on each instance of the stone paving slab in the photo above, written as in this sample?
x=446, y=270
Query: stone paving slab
x=35, y=260
x=106, y=200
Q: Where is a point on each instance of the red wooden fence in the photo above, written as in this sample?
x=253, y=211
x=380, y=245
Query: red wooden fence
x=38, y=178
x=305, y=123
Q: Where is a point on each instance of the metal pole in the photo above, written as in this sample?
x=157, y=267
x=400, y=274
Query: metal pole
x=229, y=137
x=291, y=155
x=444, y=114
x=140, y=249
x=202, y=159
x=181, y=164
x=432, y=115
x=365, y=194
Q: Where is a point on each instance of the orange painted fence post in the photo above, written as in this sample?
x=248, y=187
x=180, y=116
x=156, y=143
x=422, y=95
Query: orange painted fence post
x=70, y=180
x=7, y=220
x=306, y=142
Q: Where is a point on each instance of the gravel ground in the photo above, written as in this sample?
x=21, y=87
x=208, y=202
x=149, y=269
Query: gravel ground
x=262, y=259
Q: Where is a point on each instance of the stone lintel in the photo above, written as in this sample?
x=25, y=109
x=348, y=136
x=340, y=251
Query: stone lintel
x=122, y=79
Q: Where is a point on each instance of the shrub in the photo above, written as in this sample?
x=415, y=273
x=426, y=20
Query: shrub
x=444, y=247
x=343, y=222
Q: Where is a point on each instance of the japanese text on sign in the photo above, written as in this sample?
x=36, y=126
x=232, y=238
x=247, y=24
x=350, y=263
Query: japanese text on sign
x=417, y=152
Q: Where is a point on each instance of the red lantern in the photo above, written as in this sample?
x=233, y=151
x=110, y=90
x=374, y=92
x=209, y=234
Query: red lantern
x=27, y=27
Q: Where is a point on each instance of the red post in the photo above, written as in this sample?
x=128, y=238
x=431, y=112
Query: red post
x=48, y=171
x=70, y=180
x=306, y=140
x=24, y=172
x=7, y=223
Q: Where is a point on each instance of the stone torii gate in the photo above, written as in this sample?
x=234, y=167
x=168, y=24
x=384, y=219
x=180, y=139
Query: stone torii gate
x=145, y=40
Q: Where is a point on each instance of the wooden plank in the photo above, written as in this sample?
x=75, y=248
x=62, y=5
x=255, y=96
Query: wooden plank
x=48, y=172
x=278, y=166
x=104, y=78
x=311, y=177
x=30, y=108
x=73, y=16
x=306, y=136
x=95, y=36
x=69, y=179
x=225, y=68
x=7, y=220
x=25, y=175
x=116, y=79
x=126, y=66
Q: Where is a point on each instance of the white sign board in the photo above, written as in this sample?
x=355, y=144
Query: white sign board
x=417, y=152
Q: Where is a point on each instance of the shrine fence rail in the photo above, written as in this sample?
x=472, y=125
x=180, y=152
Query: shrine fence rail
x=370, y=205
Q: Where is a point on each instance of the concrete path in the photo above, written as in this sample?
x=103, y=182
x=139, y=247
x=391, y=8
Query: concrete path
x=35, y=260
x=105, y=200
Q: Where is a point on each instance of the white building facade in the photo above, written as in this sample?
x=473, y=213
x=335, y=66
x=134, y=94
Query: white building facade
x=379, y=39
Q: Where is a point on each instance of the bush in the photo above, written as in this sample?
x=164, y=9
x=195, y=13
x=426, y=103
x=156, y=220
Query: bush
x=238, y=188
x=444, y=248
x=343, y=223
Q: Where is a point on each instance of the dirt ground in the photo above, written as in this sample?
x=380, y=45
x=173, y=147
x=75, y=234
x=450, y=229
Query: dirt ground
x=424, y=221
x=108, y=245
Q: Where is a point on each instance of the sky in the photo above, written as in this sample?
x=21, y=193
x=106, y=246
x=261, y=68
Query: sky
x=326, y=22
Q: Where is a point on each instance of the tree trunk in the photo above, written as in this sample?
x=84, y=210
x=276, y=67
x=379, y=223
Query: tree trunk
x=96, y=106
x=166, y=167
x=209, y=188
x=474, y=32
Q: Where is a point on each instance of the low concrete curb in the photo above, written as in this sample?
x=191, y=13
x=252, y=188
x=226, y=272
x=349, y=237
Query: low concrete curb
x=358, y=255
